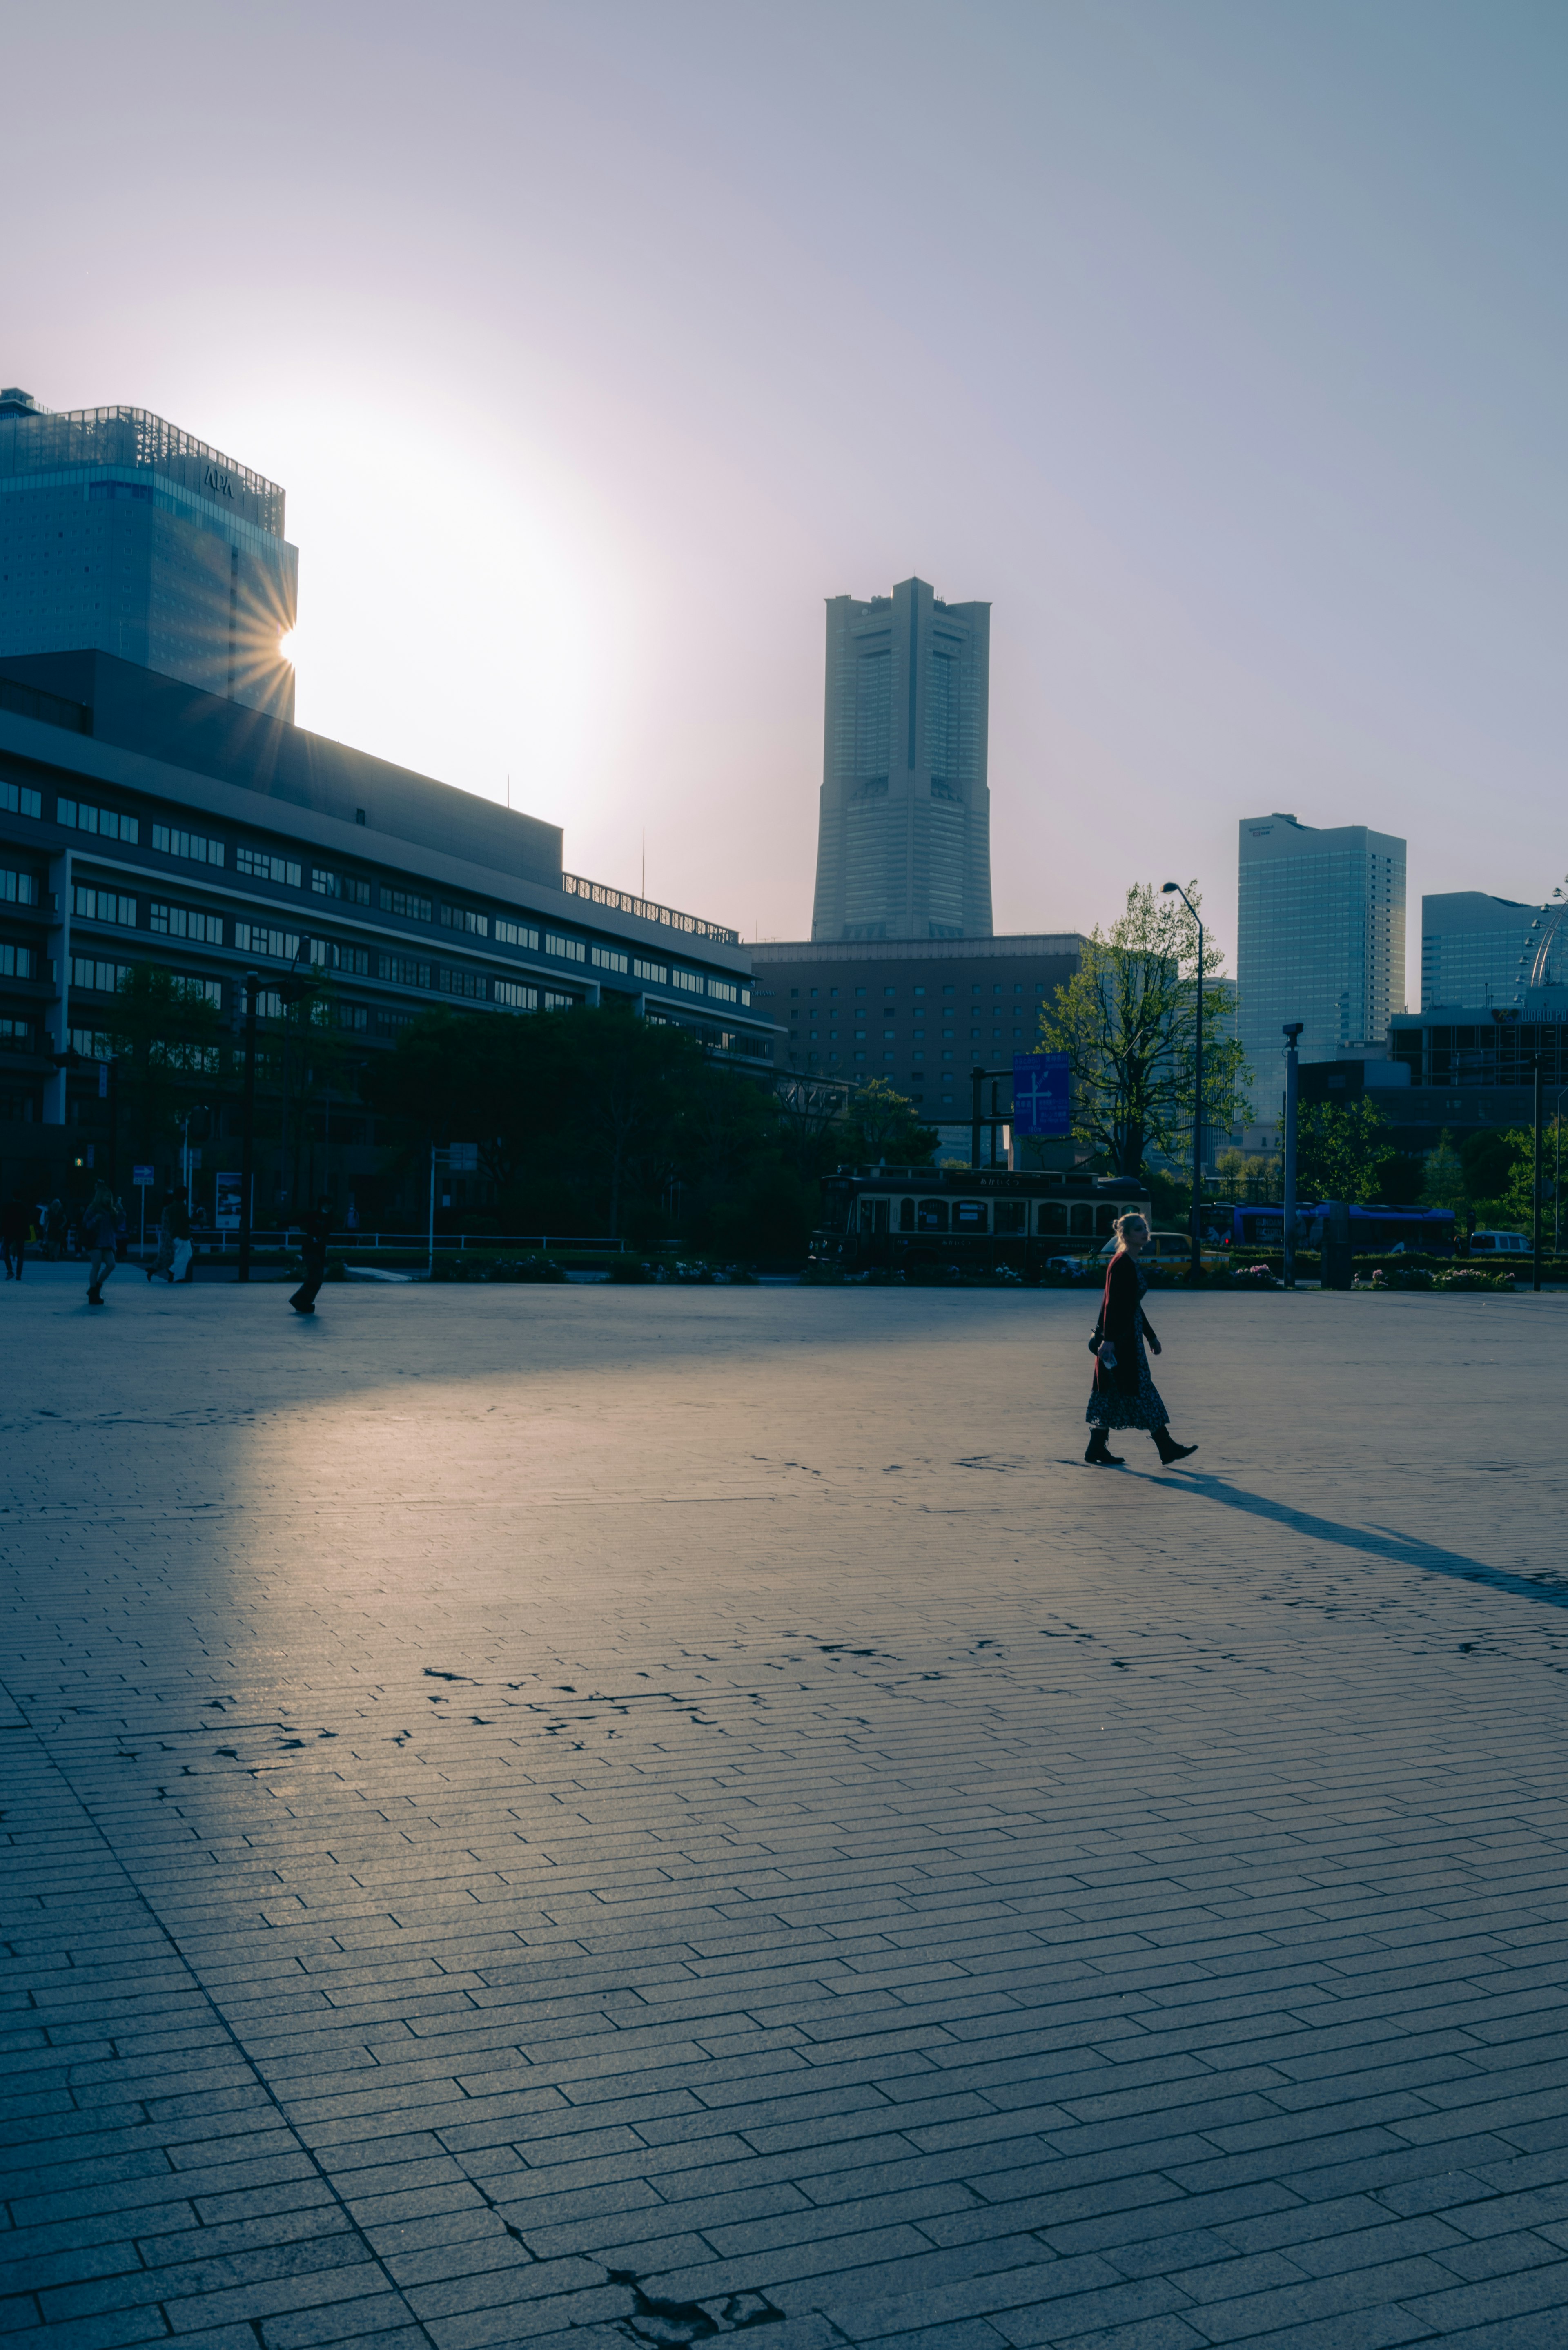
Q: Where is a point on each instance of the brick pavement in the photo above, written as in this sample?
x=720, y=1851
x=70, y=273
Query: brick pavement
x=577, y=1817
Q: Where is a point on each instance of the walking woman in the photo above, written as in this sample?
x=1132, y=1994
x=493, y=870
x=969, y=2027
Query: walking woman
x=100, y=1230
x=1122, y=1394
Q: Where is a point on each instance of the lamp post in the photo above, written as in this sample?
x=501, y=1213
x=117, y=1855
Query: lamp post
x=1557, y=1176
x=1293, y=1029
x=1197, y=1266
x=1535, y=1178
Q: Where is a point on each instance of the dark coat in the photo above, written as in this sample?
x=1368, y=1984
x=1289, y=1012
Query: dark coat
x=1121, y=1318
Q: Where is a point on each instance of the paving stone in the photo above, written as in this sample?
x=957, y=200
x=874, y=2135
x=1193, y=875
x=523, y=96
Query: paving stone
x=512, y=1787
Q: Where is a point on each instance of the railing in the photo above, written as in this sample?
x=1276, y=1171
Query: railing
x=290, y=1236
x=620, y=901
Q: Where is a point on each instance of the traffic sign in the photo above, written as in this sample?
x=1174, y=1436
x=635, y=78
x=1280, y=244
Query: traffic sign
x=143, y=1178
x=1042, y=1095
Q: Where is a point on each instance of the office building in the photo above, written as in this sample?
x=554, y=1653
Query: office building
x=1320, y=938
x=920, y=1014
x=121, y=533
x=904, y=828
x=1476, y=950
x=142, y=820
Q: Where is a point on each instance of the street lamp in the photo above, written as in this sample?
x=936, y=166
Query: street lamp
x=1197, y=1091
x=1293, y=1029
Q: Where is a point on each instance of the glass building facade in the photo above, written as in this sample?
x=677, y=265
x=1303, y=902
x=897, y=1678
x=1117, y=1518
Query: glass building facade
x=1320, y=938
x=123, y=533
x=1472, y=948
x=904, y=828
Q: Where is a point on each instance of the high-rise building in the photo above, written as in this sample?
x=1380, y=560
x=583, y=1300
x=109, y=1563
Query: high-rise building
x=1475, y=949
x=904, y=833
x=122, y=535
x=1320, y=938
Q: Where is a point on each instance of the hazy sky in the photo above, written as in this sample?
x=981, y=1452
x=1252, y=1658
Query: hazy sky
x=1219, y=346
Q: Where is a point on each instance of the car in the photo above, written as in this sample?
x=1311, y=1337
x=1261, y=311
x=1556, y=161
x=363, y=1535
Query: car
x=1493, y=1243
x=1170, y=1248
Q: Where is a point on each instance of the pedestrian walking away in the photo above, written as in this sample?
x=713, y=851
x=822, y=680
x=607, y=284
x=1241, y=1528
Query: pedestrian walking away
x=100, y=1230
x=54, y=1230
x=317, y=1227
x=1123, y=1394
x=15, y=1224
x=174, y=1251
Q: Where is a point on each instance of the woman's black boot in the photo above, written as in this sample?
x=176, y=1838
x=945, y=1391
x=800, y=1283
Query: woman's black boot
x=1100, y=1452
x=1170, y=1449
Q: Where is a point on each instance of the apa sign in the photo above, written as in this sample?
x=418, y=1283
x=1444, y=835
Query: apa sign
x=1042, y=1096
x=228, y=1195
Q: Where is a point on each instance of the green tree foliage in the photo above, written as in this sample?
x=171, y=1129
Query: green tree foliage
x=1126, y=1022
x=594, y=1120
x=1341, y=1150
x=169, y=1043
x=881, y=1124
x=1444, y=1186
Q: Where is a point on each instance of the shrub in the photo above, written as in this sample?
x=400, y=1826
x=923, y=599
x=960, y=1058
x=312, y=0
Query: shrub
x=629, y=1268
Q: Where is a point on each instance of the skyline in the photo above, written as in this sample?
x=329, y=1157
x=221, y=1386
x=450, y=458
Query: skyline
x=595, y=357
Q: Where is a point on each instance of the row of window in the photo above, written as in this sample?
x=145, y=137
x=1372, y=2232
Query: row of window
x=1054, y=1219
x=285, y=872
x=997, y=988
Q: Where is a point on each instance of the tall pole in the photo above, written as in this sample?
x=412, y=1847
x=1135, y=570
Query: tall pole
x=248, y=1126
x=1535, y=1183
x=1293, y=1029
x=431, y=1271
x=1198, y=1124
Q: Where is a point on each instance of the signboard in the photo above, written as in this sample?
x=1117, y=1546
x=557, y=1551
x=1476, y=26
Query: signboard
x=143, y=1178
x=1041, y=1099
x=229, y=1195
x=462, y=1157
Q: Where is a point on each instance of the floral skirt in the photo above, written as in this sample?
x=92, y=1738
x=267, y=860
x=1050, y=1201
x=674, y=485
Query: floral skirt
x=1110, y=1405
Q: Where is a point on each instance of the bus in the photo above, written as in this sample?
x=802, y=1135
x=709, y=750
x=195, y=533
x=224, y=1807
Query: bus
x=1373, y=1232
x=973, y=1218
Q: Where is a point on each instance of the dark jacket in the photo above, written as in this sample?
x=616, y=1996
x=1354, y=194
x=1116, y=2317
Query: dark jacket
x=1121, y=1319
x=16, y=1221
x=316, y=1228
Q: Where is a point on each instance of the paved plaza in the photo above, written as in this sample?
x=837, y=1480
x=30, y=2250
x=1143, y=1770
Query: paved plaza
x=577, y=1816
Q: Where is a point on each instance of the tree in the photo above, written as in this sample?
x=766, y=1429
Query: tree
x=169, y=1038
x=1340, y=1150
x=1445, y=1180
x=1126, y=1022
x=881, y=1124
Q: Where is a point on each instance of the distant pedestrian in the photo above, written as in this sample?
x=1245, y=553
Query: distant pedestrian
x=1124, y=1395
x=100, y=1231
x=55, y=1222
x=16, y=1225
x=317, y=1228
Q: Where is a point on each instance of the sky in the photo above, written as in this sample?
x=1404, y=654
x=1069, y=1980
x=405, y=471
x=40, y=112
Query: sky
x=1220, y=346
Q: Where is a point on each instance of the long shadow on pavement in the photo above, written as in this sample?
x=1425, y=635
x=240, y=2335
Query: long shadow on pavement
x=1376, y=1541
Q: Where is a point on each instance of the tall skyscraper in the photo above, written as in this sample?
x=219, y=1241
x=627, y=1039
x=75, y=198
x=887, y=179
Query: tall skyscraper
x=1472, y=947
x=1320, y=938
x=904, y=833
x=119, y=533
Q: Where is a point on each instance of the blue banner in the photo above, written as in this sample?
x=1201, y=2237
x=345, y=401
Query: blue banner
x=1041, y=1099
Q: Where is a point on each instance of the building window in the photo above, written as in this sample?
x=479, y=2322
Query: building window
x=339, y=885
x=18, y=800
x=690, y=980
x=20, y=888
x=107, y=823
x=183, y=922
x=256, y=938
x=354, y=1017
x=392, y=1024
x=402, y=970
x=469, y=983
x=103, y=978
x=406, y=903
x=104, y=906
x=22, y=962
x=556, y=1002
x=572, y=949
x=654, y=970
x=260, y=865
x=513, y=993
x=463, y=918
x=608, y=959
x=330, y=954
x=517, y=934
x=725, y=990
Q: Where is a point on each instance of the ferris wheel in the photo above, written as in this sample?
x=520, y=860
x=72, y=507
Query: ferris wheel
x=1536, y=960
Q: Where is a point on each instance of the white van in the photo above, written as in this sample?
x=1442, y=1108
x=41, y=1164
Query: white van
x=1501, y=1245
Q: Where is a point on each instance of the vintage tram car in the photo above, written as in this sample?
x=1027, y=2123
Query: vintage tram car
x=976, y=1218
